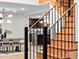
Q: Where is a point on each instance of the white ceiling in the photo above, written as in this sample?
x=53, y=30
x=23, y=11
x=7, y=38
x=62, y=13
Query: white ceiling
x=34, y=2
x=28, y=8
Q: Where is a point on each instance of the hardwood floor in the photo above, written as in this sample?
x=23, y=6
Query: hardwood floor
x=20, y=56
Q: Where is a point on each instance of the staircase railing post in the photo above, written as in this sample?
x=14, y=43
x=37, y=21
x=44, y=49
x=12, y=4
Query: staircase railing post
x=68, y=7
x=26, y=42
x=45, y=42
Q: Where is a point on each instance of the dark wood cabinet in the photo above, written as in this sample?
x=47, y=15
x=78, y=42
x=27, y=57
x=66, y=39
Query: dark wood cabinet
x=33, y=20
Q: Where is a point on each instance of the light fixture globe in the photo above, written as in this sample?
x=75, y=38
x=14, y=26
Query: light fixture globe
x=9, y=21
x=1, y=21
x=1, y=15
x=41, y=22
x=10, y=15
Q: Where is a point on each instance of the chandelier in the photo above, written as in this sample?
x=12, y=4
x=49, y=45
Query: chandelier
x=3, y=17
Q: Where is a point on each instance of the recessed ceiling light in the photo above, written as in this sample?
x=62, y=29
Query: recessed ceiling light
x=9, y=21
x=45, y=20
x=1, y=15
x=14, y=11
x=10, y=15
x=22, y=8
x=1, y=21
x=41, y=22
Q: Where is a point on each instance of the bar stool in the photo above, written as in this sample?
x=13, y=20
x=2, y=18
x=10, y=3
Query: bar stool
x=16, y=44
x=6, y=45
x=11, y=41
x=1, y=45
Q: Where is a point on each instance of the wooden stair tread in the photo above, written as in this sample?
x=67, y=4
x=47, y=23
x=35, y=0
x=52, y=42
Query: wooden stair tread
x=65, y=44
x=64, y=41
x=69, y=21
x=66, y=28
x=55, y=55
x=64, y=4
x=67, y=2
x=66, y=34
x=63, y=34
x=69, y=25
x=66, y=49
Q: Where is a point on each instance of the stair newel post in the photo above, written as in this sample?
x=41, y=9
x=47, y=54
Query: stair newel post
x=45, y=42
x=26, y=42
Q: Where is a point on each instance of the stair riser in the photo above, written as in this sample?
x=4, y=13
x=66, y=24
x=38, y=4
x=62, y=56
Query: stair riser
x=71, y=1
x=71, y=14
x=64, y=45
x=69, y=24
x=70, y=19
x=66, y=4
x=67, y=8
x=67, y=30
x=64, y=37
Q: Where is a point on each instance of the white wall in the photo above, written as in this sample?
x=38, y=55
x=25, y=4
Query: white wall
x=23, y=1
x=77, y=17
x=78, y=28
x=16, y=27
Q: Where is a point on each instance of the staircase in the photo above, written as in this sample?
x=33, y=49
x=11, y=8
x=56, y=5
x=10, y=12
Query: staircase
x=64, y=44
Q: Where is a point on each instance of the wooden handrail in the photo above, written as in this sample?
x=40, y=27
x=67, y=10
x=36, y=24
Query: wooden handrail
x=62, y=15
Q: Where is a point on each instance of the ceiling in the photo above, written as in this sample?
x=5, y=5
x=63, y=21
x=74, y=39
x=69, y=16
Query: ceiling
x=24, y=9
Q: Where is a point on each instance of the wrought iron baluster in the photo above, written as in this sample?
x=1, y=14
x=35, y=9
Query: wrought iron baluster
x=45, y=43
x=26, y=42
x=68, y=7
x=30, y=43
